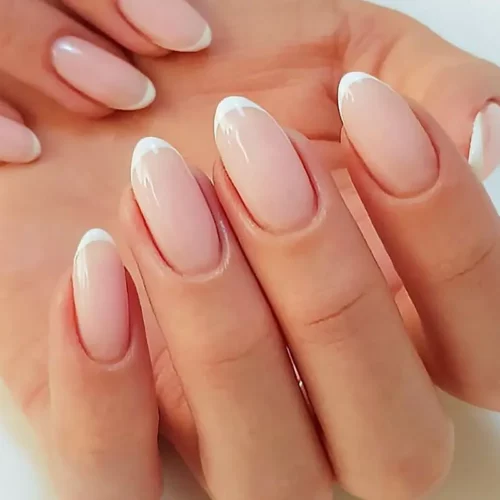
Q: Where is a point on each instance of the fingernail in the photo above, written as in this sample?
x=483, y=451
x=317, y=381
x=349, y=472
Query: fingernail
x=173, y=25
x=18, y=144
x=387, y=135
x=263, y=165
x=484, y=155
x=101, y=301
x=101, y=75
x=174, y=208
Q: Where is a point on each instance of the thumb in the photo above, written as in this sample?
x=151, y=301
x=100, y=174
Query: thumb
x=460, y=90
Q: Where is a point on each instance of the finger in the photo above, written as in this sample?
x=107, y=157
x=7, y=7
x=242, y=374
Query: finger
x=440, y=229
x=18, y=144
x=335, y=308
x=103, y=405
x=48, y=50
x=148, y=26
x=225, y=345
x=461, y=91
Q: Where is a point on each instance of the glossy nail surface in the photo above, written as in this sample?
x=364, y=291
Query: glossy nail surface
x=484, y=155
x=101, y=299
x=387, y=135
x=171, y=24
x=174, y=208
x=263, y=165
x=18, y=144
x=101, y=75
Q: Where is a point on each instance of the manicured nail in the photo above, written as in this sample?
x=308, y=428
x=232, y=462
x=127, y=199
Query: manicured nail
x=174, y=208
x=263, y=165
x=101, y=300
x=484, y=155
x=172, y=24
x=387, y=135
x=101, y=75
x=18, y=144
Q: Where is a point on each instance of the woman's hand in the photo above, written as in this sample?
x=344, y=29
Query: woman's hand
x=267, y=277
x=288, y=276
x=101, y=438
x=292, y=68
x=44, y=45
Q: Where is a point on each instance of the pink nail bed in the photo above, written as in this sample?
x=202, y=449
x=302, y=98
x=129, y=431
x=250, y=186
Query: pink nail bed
x=100, y=75
x=101, y=299
x=174, y=208
x=263, y=165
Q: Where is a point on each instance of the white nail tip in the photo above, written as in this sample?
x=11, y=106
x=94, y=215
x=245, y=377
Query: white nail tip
x=148, y=145
x=230, y=104
x=149, y=97
x=37, y=147
x=93, y=236
x=202, y=43
x=346, y=83
x=476, y=152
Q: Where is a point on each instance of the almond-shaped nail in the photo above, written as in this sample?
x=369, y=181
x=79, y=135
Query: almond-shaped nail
x=101, y=299
x=387, y=135
x=101, y=75
x=174, y=208
x=18, y=144
x=171, y=24
x=263, y=165
x=484, y=155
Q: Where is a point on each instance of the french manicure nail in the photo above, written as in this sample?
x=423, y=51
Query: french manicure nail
x=173, y=25
x=174, y=208
x=101, y=301
x=484, y=155
x=263, y=165
x=387, y=135
x=18, y=144
x=101, y=75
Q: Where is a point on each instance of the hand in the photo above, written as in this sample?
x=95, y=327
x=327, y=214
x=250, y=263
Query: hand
x=44, y=46
x=78, y=182
x=289, y=272
x=102, y=437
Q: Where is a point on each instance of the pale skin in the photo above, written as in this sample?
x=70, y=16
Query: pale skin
x=88, y=186
x=378, y=425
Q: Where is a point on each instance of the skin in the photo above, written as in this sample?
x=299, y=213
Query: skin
x=371, y=418
x=79, y=180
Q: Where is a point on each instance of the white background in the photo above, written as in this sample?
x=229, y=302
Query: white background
x=475, y=26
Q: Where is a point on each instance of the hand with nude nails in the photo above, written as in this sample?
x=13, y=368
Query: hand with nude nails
x=44, y=45
x=268, y=265
x=292, y=69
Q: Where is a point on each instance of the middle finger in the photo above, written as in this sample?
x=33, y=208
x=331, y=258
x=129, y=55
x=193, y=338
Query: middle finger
x=385, y=430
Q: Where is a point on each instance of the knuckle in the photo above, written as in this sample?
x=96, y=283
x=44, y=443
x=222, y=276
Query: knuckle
x=171, y=397
x=330, y=322
x=35, y=399
x=234, y=345
x=83, y=448
x=222, y=358
x=368, y=39
x=471, y=259
x=30, y=393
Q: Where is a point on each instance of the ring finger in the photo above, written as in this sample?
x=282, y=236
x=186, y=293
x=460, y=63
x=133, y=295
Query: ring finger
x=439, y=227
